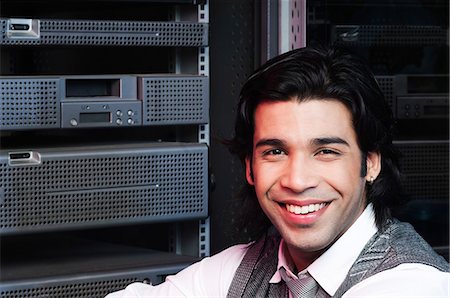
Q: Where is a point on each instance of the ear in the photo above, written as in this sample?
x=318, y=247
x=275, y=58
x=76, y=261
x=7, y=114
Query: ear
x=248, y=170
x=373, y=166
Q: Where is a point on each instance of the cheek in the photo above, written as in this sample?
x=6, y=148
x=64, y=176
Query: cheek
x=264, y=176
x=342, y=177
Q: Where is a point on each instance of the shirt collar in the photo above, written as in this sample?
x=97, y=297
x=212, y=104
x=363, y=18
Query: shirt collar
x=284, y=260
x=328, y=270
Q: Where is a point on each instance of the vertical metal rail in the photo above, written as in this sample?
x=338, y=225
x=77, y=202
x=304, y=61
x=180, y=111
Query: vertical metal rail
x=203, y=69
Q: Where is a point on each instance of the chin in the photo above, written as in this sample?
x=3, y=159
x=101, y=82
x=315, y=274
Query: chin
x=306, y=241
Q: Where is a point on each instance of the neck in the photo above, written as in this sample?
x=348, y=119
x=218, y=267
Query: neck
x=302, y=259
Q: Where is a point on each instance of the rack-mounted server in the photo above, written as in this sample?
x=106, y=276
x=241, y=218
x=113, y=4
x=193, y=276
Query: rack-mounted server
x=57, y=188
x=102, y=101
x=417, y=96
x=27, y=32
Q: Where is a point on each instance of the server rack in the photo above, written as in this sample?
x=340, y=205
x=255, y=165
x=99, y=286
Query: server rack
x=104, y=123
x=406, y=45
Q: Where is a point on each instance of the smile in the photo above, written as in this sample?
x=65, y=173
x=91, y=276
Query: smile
x=304, y=209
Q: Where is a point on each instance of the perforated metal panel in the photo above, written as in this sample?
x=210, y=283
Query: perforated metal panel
x=428, y=187
x=367, y=35
x=26, y=103
x=117, y=33
x=386, y=84
x=177, y=100
x=425, y=165
x=424, y=156
x=75, y=187
x=292, y=24
x=82, y=289
x=88, y=285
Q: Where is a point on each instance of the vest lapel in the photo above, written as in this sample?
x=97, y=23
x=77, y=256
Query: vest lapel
x=397, y=243
x=257, y=268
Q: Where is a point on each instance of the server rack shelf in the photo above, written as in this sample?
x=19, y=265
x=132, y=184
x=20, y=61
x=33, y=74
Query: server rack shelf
x=81, y=267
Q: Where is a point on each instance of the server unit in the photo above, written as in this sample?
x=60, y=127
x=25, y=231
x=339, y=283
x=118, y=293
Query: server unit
x=57, y=188
x=18, y=31
x=416, y=97
x=30, y=103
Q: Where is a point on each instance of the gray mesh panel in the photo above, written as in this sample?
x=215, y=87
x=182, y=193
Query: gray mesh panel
x=424, y=157
x=118, y=33
x=88, y=285
x=98, y=187
x=83, y=289
x=386, y=84
x=365, y=35
x=425, y=168
x=431, y=186
x=181, y=100
x=29, y=103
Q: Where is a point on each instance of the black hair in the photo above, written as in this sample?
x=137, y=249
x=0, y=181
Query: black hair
x=323, y=73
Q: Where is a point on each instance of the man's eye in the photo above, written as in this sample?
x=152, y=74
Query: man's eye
x=274, y=152
x=327, y=152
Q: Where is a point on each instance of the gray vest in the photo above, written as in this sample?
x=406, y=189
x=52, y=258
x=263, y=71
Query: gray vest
x=398, y=243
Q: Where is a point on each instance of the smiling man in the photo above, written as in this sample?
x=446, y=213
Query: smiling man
x=305, y=168
x=314, y=134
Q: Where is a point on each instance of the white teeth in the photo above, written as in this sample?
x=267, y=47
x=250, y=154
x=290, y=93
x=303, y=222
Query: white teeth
x=304, y=209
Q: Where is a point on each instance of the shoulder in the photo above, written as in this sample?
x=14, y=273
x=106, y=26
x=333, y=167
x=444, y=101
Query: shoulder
x=405, y=280
x=210, y=277
x=407, y=246
x=228, y=258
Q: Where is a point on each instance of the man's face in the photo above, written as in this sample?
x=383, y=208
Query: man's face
x=306, y=170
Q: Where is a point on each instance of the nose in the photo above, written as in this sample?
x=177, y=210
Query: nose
x=299, y=174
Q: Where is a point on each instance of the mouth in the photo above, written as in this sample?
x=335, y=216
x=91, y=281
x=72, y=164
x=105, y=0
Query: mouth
x=306, y=209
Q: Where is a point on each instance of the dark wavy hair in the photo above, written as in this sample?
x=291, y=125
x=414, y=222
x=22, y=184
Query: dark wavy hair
x=322, y=73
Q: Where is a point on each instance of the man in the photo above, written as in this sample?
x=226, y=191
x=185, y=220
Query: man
x=314, y=134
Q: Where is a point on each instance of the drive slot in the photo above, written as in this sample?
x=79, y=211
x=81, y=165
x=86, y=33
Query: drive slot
x=23, y=29
x=92, y=88
x=22, y=158
x=19, y=27
x=20, y=155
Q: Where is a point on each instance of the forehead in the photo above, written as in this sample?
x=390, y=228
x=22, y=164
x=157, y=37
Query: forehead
x=309, y=119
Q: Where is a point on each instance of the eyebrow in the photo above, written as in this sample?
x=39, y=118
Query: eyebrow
x=329, y=140
x=270, y=142
x=314, y=142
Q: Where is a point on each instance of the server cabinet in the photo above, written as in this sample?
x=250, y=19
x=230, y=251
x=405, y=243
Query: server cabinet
x=104, y=126
x=406, y=45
